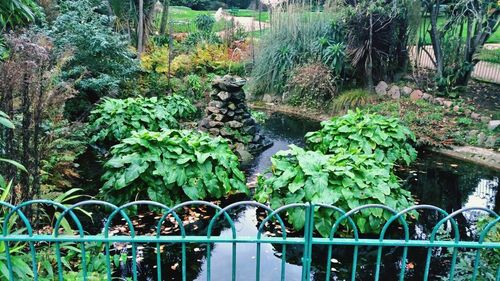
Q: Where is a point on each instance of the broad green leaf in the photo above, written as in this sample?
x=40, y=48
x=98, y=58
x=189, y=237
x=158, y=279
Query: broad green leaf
x=297, y=218
x=361, y=224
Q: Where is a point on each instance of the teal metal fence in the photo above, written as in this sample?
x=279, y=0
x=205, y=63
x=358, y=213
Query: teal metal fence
x=19, y=231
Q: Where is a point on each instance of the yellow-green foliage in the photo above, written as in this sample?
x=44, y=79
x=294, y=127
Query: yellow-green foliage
x=181, y=65
x=156, y=60
x=206, y=58
x=211, y=58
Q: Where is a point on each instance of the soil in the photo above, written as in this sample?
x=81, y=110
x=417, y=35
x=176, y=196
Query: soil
x=484, y=96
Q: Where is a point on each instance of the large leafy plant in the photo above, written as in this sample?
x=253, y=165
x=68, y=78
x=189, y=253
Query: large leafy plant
x=170, y=167
x=365, y=133
x=344, y=180
x=116, y=119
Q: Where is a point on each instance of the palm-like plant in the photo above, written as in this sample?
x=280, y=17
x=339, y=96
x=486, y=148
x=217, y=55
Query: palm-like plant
x=16, y=12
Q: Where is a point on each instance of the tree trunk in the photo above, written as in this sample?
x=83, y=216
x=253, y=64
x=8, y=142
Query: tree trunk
x=369, y=59
x=140, y=29
x=476, y=38
x=436, y=39
x=164, y=17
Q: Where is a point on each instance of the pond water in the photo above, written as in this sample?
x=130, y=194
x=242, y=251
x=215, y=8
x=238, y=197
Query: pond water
x=433, y=179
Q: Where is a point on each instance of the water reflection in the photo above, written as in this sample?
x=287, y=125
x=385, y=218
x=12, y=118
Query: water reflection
x=433, y=179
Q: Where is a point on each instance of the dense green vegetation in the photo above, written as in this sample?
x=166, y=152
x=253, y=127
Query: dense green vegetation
x=116, y=119
x=170, y=167
x=103, y=99
x=364, y=133
x=295, y=40
x=344, y=179
x=349, y=163
x=79, y=26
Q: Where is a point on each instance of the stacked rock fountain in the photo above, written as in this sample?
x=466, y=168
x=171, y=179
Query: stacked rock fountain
x=228, y=116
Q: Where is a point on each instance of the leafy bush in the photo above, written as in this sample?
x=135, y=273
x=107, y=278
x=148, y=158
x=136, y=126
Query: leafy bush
x=116, y=119
x=364, y=133
x=96, y=59
x=204, y=33
x=19, y=12
x=344, y=179
x=170, y=167
x=312, y=84
x=204, y=22
x=156, y=60
x=181, y=65
x=196, y=86
x=212, y=58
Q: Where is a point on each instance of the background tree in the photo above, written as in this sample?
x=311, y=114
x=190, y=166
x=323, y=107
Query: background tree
x=377, y=38
x=457, y=30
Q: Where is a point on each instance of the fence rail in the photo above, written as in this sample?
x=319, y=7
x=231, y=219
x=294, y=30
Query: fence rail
x=484, y=71
x=307, y=238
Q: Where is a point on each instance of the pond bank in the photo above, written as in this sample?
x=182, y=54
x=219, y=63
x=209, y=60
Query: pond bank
x=478, y=155
x=482, y=156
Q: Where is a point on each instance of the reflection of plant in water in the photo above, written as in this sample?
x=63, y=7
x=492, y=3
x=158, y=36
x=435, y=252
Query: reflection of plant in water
x=259, y=116
x=489, y=258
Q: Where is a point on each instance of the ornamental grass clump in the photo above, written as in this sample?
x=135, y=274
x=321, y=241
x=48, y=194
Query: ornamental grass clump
x=299, y=36
x=343, y=179
x=171, y=167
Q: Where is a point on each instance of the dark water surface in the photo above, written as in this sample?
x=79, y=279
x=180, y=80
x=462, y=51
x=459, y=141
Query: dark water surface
x=433, y=179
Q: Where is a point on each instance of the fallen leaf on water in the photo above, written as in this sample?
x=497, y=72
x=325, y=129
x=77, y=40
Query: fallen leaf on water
x=410, y=265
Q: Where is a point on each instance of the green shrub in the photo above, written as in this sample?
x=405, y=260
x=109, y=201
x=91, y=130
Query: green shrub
x=204, y=22
x=344, y=179
x=116, y=119
x=312, y=85
x=204, y=33
x=364, y=133
x=95, y=58
x=214, y=58
x=170, y=167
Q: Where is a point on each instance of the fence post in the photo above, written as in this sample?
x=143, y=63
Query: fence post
x=308, y=235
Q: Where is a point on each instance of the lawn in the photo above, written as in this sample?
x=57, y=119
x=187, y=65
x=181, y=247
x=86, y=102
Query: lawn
x=494, y=38
x=183, y=17
x=492, y=56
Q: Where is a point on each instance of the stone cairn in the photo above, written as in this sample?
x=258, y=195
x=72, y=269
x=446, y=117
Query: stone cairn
x=228, y=116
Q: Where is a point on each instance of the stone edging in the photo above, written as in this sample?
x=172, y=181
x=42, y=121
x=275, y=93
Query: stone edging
x=395, y=92
x=478, y=155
